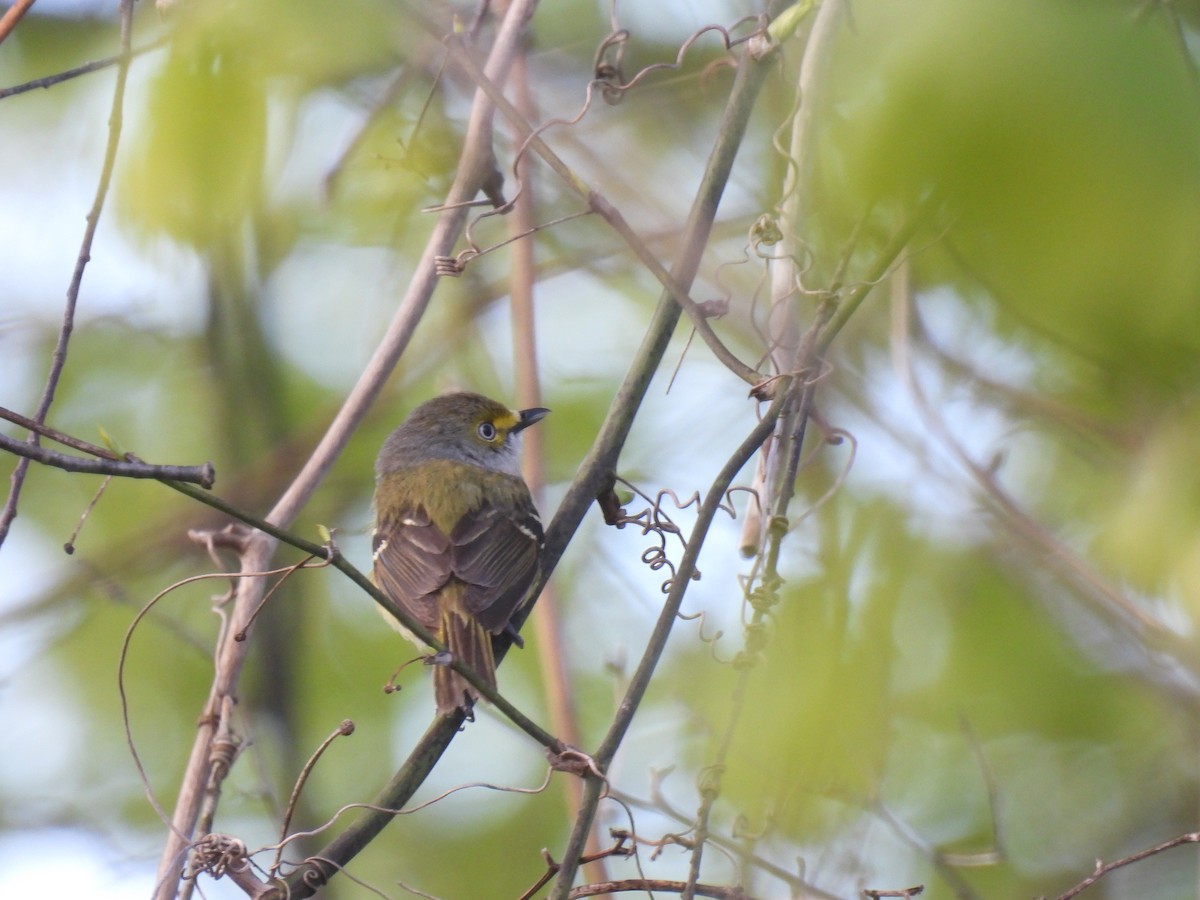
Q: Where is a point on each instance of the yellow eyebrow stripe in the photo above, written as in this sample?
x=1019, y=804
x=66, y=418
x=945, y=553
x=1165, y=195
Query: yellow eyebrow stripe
x=507, y=422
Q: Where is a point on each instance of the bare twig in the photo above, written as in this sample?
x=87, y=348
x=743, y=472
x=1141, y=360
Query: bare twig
x=618, y=848
x=57, y=436
x=59, y=357
x=203, y=475
x=640, y=885
x=343, y=730
x=51, y=80
x=1103, y=868
x=659, y=803
x=69, y=546
x=129, y=465
x=96, y=65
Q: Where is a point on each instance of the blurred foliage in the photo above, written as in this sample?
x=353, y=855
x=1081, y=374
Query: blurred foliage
x=1063, y=139
x=937, y=679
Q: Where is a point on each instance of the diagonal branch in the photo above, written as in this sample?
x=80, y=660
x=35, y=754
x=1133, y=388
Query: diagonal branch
x=658, y=639
x=594, y=473
x=475, y=167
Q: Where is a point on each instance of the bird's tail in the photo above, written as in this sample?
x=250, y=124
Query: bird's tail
x=470, y=643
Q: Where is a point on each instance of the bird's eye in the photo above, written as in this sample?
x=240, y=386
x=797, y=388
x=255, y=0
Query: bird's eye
x=487, y=431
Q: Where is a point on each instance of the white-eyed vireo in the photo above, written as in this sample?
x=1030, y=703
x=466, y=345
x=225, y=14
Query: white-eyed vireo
x=457, y=539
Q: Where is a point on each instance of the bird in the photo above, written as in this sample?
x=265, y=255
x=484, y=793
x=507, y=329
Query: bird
x=457, y=542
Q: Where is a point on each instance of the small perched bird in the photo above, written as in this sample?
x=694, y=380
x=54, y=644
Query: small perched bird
x=457, y=541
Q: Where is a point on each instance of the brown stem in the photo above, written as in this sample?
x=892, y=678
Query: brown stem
x=12, y=16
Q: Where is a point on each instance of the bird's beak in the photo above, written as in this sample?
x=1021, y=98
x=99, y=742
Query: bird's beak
x=527, y=417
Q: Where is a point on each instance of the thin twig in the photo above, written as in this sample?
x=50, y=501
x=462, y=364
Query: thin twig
x=96, y=65
x=204, y=475
x=69, y=546
x=601, y=460
x=343, y=730
x=659, y=804
x=59, y=357
x=1103, y=868
x=57, y=436
x=640, y=885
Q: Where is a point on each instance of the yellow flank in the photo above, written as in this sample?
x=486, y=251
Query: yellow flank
x=450, y=488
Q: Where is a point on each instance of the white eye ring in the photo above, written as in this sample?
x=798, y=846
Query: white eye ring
x=487, y=431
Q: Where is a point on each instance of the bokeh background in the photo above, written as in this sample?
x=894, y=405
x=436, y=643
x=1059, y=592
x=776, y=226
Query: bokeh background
x=983, y=674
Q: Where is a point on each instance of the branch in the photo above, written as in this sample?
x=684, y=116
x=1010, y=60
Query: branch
x=658, y=639
x=475, y=166
x=87, y=68
x=107, y=464
x=790, y=440
x=592, y=475
x=655, y=884
x=318, y=869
